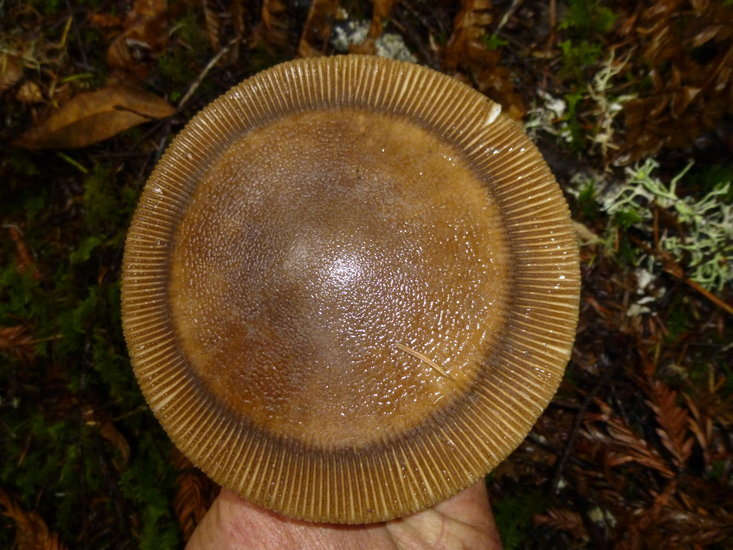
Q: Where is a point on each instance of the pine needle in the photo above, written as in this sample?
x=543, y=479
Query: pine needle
x=425, y=359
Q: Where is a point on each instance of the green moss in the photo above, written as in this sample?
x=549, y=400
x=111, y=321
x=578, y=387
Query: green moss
x=585, y=22
x=626, y=253
x=588, y=18
x=587, y=201
x=47, y=7
x=55, y=458
x=513, y=515
x=573, y=100
x=176, y=72
x=493, y=41
x=148, y=482
x=707, y=178
x=623, y=219
x=678, y=321
x=100, y=202
x=177, y=68
x=578, y=56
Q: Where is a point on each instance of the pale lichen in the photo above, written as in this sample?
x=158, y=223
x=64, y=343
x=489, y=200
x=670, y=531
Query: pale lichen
x=389, y=44
x=705, y=242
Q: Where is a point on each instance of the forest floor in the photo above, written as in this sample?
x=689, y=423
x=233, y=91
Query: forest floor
x=631, y=103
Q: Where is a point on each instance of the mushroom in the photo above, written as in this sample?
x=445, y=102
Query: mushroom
x=350, y=287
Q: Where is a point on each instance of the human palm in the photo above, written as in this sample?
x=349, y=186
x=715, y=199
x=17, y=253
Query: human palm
x=464, y=522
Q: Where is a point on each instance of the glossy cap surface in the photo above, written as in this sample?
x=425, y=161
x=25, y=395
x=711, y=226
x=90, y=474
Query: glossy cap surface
x=350, y=288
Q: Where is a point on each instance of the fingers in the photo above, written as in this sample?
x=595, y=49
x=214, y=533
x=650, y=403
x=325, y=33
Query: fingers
x=464, y=521
x=234, y=523
x=470, y=506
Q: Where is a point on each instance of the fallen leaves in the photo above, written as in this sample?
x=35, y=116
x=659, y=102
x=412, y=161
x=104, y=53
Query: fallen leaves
x=467, y=51
x=634, y=449
x=196, y=493
x=144, y=38
x=109, y=432
x=275, y=26
x=674, y=423
x=18, y=341
x=619, y=445
x=91, y=117
x=562, y=519
x=11, y=71
x=687, y=53
x=213, y=25
x=31, y=532
x=317, y=29
x=24, y=261
x=380, y=11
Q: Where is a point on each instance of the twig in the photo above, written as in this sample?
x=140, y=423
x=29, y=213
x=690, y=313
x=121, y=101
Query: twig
x=575, y=431
x=675, y=270
x=553, y=26
x=210, y=65
x=72, y=162
x=77, y=36
x=507, y=14
x=424, y=358
x=541, y=443
x=402, y=12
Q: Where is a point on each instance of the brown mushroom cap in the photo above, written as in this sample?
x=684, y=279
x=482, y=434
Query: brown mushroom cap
x=350, y=288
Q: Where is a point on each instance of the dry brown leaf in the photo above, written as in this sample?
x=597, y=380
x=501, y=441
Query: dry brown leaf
x=237, y=14
x=29, y=92
x=673, y=421
x=317, y=28
x=467, y=52
x=562, y=519
x=104, y=20
x=701, y=425
x=275, y=27
x=669, y=524
x=688, y=53
x=11, y=71
x=212, y=25
x=24, y=261
x=18, y=341
x=619, y=444
x=627, y=447
x=149, y=8
x=113, y=435
x=196, y=493
x=31, y=532
x=95, y=116
x=380, y=11
x=145, y=37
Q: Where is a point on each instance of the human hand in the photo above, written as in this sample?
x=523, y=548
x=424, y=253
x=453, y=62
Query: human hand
x=464, y=521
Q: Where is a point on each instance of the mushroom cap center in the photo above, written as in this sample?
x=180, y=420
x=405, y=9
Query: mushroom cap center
x=331, y=285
